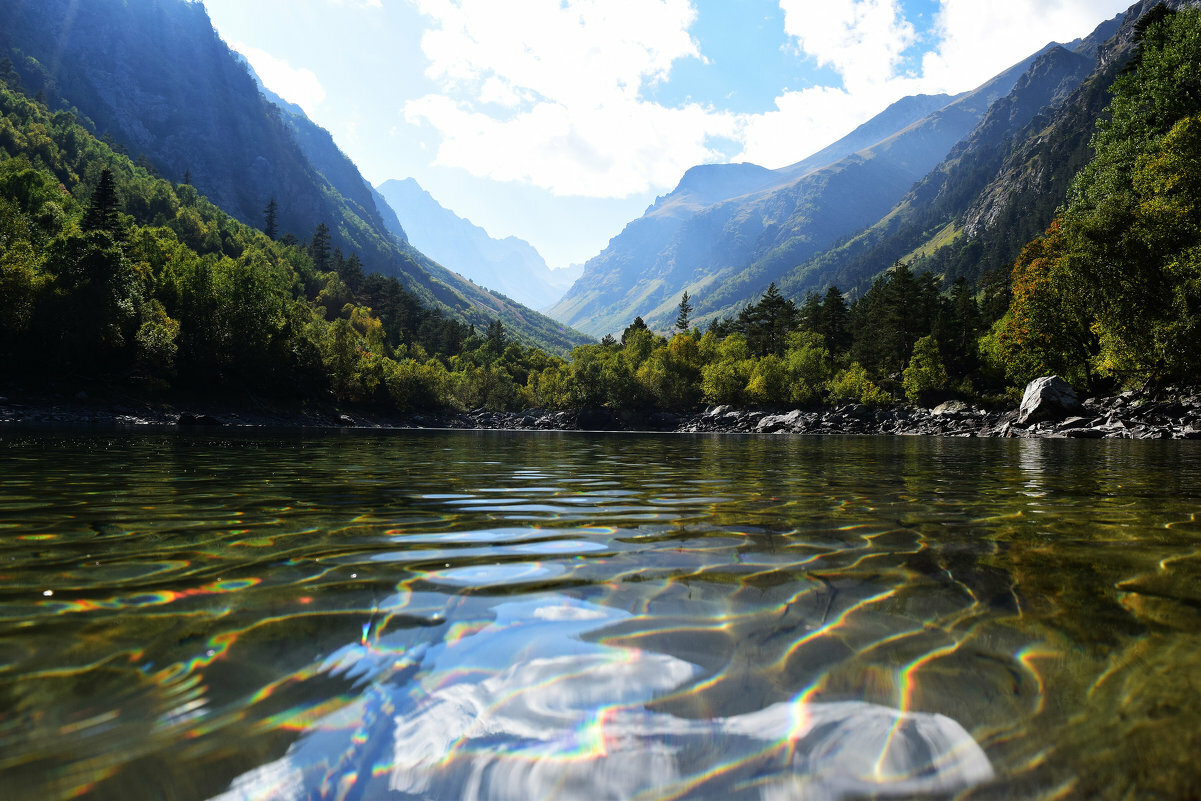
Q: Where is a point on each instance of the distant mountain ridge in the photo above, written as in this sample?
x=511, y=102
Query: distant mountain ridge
x=728, y=230
x=510, y=266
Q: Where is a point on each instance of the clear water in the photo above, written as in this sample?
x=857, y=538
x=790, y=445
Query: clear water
x=474, y=615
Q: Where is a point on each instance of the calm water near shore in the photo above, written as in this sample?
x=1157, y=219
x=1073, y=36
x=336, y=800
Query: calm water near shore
x=455, y=615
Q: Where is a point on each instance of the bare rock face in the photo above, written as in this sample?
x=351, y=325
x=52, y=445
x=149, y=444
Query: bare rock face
x=1047, y=398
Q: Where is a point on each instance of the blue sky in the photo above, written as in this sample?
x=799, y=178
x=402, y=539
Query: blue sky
x=559, y=121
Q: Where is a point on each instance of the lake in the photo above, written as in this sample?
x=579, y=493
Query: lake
x=475, y=615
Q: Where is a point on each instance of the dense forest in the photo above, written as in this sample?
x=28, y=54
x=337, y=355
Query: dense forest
x=108, y=271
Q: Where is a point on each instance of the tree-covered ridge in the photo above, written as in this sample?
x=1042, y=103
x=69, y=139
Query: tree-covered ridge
x=153, y=78
x=1113, y=289
x=106, y=270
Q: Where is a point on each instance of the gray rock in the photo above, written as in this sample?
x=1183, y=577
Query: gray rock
x=1047, y=398
x=950, y=407
x=775, y=422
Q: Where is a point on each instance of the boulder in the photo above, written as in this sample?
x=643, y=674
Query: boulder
x=950, y=407
x=776, y=422
x=1047, y=398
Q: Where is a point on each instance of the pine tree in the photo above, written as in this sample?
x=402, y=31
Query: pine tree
x=685, y=311
x=495, y=337
x=638, y=325
x=835, y=321
x=766, y=324
x=271, y=216
x=103, y=212
x=320, y=249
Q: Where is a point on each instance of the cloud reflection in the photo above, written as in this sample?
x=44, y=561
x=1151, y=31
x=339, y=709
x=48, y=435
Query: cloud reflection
x=523, y=708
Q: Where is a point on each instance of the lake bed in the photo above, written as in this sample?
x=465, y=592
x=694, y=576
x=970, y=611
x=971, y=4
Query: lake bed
x=554, y=615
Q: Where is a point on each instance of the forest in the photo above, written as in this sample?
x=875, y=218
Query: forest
x=108, y=272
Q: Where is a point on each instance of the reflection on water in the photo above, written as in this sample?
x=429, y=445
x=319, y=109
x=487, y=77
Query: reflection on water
x=467, y=615
x=523, y=708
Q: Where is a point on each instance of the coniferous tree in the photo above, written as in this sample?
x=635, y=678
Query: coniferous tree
x=271, y=218
x=835, y=321
x=320, y=249
x=766, y=324
x=103, y=212
x=682, y=316
x=352, y=272
x=495, y=336
x=638, y=325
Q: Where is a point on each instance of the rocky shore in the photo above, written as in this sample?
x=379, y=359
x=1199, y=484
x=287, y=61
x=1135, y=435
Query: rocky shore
x=1169, y=413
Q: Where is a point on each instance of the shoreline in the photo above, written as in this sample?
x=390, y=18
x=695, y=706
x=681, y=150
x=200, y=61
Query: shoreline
x=1167, y=414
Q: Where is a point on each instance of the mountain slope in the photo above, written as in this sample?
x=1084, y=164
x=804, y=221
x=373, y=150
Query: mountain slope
x=1031, y=183
x=153, y=76
x=509, y=265
x=724, y=250
x=930, y=216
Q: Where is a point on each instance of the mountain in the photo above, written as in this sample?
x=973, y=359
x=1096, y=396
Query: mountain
x=154, y=78
x=508, y=265
x=1041, y=128
x=728, y=230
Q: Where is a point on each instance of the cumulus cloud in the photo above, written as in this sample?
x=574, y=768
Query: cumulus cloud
x=864, y=42
x=294, y=84
x=978, y=40
x=551, y=93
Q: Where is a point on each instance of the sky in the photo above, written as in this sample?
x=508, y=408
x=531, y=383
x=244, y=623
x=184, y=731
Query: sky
x=559, y=121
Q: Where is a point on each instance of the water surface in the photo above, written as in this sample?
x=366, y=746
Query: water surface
x=443, y=615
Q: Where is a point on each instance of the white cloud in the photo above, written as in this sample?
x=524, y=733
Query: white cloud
x=296, y=85
x=551, y=93
x=978, y=40
x=864, y=40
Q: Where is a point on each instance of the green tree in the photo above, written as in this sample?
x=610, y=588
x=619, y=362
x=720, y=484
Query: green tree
x=834, y=321
x=638, y=325
x=1048, y=327
x=809, y=365
x=1124, y=240
x=852, y=385
x=683, y=316
x=925, y=376
x=320, y=248
x=767, y=322
x=104, y=209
